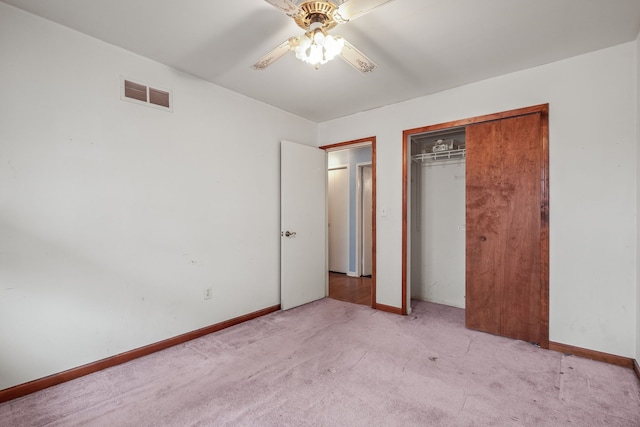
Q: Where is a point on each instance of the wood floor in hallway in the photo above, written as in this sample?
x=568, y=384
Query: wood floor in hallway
x=350, y=289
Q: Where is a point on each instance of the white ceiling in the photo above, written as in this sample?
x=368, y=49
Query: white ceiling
x=420, y=46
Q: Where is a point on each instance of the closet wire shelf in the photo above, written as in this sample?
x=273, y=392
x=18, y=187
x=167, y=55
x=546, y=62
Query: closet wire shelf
x=440, y=156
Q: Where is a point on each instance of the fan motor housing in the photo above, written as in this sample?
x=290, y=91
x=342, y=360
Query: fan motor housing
x=316, y=11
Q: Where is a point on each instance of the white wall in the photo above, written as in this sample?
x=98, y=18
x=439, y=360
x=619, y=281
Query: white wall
x=114, y=217
x=592, y=184
x=638, y=198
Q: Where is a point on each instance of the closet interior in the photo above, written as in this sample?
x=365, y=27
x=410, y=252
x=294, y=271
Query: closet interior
x=437, y=222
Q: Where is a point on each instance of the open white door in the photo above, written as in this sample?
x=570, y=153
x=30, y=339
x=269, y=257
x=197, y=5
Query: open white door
x=303, y=222
x=338, y=220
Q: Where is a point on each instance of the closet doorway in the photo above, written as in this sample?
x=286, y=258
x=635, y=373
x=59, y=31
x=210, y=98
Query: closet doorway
x=352, y=264
x=486, y=222
x=437, y=217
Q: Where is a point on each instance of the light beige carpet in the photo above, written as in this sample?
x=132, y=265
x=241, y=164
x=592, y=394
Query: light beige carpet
x=331, y=363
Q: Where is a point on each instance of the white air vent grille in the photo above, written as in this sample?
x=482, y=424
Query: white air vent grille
x=145, y=95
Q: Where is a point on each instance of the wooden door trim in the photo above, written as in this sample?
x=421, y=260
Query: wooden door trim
x=543, y=110
x=354, y=144
x=544, y=228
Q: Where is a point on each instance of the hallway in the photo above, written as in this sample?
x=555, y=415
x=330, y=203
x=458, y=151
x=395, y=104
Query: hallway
x=355, y=290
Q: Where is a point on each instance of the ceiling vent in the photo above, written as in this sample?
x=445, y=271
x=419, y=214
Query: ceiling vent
x=139, y=93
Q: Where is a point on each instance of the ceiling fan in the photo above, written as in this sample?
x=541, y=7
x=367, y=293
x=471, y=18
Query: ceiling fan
x=316, y=46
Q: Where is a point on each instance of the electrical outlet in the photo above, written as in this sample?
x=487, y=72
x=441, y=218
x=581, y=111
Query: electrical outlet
x=208, y=292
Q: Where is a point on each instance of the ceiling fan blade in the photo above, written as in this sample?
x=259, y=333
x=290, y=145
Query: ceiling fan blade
x=352, y=9
x=287, y=6
x=272, y=56
x=357, y=59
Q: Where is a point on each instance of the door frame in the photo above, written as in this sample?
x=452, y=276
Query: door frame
x=542, y=109
x=364, y=142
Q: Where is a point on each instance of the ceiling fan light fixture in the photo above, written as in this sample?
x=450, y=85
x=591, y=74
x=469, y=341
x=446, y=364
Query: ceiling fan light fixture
x=316, y=47
x=333, y=46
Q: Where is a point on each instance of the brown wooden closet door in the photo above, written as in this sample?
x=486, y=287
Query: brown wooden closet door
x=503, y=228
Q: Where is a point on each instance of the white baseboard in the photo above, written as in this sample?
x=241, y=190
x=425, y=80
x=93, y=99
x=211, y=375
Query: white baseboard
x=352, y=274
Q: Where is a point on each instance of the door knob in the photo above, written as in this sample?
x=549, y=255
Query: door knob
x=289, y=234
